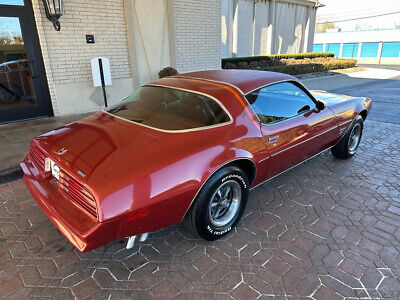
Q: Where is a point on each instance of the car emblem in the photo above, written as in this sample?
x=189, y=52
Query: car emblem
x=62, y=151
x=81, y=173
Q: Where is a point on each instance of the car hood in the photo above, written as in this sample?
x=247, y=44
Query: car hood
x=95, y=142
x=330, y=98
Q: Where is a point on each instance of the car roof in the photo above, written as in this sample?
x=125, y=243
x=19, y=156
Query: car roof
x=244, y=80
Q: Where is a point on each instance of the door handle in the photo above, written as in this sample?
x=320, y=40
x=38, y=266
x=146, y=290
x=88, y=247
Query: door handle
x=273, y=139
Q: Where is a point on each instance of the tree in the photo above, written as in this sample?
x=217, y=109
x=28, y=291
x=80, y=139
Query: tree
x=322, y=27
x=18, y=40
x=365, y=26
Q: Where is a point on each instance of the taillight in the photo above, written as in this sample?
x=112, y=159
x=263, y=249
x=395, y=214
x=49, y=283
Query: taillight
x=77, y=192
x=37, y=156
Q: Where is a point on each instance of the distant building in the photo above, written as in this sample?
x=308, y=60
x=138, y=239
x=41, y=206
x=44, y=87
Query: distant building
x=260, y=27
x=369, y=46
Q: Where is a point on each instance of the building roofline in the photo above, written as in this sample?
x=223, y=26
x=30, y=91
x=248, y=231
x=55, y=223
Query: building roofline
x=365, y=30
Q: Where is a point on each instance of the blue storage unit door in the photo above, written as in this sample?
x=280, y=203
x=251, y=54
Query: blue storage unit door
x=391, y=49
x=369, y=50
x=333, y=48
x=318, y=48
x=350, y=50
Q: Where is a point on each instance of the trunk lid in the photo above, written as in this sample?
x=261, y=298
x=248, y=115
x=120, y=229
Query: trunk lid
x=94, y=142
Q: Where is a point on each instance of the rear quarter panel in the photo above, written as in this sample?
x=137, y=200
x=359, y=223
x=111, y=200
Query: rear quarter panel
x=164, y=178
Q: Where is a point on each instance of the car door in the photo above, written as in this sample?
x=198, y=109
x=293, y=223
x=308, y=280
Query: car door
x=292, y=127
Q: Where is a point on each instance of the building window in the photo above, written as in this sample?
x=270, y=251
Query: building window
x=391, y=49
x=369, y=50
x=11, y=2
x=318, y=48
x=350, y=50
x=333, y=48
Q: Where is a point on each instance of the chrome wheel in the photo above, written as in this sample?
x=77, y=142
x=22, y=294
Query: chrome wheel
x=354, y=138
x=225, y=203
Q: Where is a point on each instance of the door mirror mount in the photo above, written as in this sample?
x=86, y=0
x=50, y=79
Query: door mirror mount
x=320, y=105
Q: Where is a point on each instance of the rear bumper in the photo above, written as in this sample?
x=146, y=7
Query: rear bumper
x=83, y=230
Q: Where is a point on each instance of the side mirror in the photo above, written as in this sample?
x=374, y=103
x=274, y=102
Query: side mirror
x=320, y=105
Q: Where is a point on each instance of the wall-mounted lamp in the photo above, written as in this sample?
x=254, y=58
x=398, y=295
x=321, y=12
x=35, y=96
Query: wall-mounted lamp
x=54, y=10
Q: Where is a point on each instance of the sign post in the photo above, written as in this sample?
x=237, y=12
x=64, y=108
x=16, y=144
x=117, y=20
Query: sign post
x=101, y=74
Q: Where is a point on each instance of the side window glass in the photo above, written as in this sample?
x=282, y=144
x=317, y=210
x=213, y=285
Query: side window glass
x=279, y=101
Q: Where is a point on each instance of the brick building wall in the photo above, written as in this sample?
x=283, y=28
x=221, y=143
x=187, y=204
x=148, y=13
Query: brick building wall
x=194, y=41
x=67, y=56
x=196, y=34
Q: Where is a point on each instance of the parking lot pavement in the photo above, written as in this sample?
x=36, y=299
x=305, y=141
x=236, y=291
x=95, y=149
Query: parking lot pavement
x=328, y=229
x=15, y=139
x=380, y=83
x=385, y=95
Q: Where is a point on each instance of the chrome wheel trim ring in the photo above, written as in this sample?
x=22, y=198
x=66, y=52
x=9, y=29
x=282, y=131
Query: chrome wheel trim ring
x=225, y=203
x=354, y=138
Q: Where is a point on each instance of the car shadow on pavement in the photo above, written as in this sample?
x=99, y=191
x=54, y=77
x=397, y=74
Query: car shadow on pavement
x=328, y=228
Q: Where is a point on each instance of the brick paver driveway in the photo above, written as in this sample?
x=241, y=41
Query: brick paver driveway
x=326, y=229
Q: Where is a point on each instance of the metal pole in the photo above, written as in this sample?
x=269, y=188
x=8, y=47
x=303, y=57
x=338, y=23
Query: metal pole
x=380, y=51
x=102, y=81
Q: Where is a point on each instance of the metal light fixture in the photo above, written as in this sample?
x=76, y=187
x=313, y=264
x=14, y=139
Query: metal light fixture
x=54, y=10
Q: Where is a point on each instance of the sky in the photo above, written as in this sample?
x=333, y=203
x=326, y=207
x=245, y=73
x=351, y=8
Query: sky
x=9, y=27
x=338, y=10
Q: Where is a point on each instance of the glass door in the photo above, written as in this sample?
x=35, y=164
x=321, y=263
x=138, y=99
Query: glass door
x=23, y=86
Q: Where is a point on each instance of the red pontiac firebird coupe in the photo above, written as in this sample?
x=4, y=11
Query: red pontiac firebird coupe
x=184, y=148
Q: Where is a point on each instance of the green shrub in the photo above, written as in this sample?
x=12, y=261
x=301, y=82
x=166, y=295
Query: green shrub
x=253, y=65
x=243, y=65
x=273, y=59
x=167, y=71
x=230, y=66
x=296, y=69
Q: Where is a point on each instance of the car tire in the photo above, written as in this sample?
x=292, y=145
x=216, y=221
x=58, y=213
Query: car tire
x=219, y=205
x=348, y=144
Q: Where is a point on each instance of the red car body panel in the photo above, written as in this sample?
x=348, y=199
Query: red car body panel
x=143, y=179
x=243, y=80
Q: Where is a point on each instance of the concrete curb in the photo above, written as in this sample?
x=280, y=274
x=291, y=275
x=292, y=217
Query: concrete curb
x=10, y=174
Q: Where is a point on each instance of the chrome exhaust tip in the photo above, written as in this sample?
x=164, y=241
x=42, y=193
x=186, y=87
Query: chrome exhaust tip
x=131, y=240
x=143, y=237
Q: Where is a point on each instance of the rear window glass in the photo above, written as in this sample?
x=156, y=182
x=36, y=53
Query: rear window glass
x=170, y=109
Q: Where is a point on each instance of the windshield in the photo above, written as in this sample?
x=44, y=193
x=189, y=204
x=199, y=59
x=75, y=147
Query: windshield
x=170, y=109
